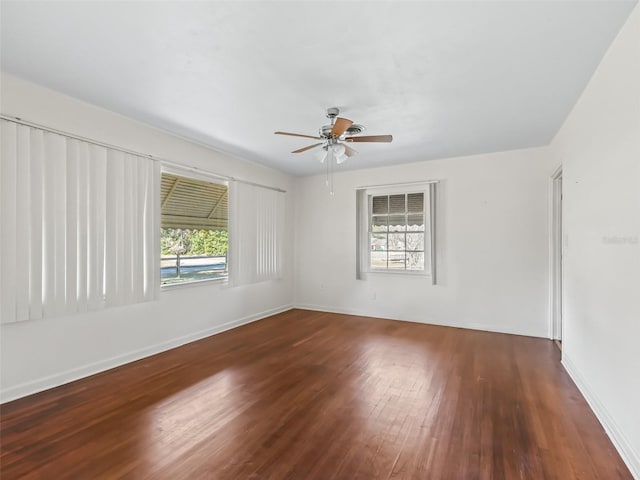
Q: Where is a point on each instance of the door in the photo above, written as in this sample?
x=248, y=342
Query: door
x=556, y=256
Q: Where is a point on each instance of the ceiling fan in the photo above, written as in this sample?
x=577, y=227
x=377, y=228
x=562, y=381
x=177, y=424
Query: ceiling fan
x=335, y=137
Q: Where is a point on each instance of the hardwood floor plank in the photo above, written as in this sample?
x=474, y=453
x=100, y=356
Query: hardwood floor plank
x=313, y=395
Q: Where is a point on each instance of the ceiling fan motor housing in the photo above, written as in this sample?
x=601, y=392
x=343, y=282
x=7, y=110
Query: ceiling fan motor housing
x=354, y=129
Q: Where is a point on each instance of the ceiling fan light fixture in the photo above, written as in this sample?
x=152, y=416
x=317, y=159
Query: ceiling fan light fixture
x=332, y=137
x=321, y=155
x=338, y=149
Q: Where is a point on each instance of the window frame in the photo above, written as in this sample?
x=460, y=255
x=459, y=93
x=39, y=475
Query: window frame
x=371, y=233
x=204, y=176
x=428, y=190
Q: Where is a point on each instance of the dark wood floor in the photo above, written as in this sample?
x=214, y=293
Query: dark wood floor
x=309, y=395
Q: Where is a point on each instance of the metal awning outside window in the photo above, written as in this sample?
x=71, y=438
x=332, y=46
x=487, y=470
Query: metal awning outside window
x=194, y=204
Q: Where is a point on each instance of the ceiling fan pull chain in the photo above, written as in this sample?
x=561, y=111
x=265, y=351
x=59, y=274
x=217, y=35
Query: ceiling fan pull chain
x=327, y=159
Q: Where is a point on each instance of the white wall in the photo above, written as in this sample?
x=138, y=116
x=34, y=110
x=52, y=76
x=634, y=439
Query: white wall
x=492, y=245
x=599, y=148
x=39, y=354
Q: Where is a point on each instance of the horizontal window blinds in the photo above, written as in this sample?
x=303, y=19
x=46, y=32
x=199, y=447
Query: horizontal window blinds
x=80, y=225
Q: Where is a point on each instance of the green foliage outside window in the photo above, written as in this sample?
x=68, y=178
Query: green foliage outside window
x=176, y=241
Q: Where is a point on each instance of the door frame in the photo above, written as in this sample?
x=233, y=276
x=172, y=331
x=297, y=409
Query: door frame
x=556, y=281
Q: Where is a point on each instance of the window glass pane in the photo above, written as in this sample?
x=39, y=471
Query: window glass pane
x=379, y=223
x=415, y=222
x=415, y=202
x=191, y=255
x=397, y=203
x=415, y=260
x=378, y=242
x=396, y=241
x=380, y=204
x=397, y=236
x=194, y=236
x=193, y=204
x=396, y=260
x=397, y=223
x=415, y=241
x=378, y=259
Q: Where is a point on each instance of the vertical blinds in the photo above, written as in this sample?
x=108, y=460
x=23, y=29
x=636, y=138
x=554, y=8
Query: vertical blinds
x=257, y=233
x=79, y=226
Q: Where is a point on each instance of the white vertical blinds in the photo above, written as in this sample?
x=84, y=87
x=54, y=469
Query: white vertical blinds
x=362, y=234
x=256, y=233
x=269, y=219
x=80, y=225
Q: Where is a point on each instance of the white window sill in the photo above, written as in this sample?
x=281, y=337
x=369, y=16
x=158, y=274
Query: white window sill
x=410, y=273
x=195, y=283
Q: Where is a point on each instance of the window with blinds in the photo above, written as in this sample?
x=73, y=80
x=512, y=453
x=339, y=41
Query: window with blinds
x=397, y=232
x=213, y=229
x=395, y=229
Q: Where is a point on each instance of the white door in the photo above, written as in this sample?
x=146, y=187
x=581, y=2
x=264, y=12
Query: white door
x=556, y=255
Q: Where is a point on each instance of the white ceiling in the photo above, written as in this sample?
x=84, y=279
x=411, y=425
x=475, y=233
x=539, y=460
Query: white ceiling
x=446, y=78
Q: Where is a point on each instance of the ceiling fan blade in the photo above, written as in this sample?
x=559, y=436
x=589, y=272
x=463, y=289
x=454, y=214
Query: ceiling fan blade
x=349, y=152
x=340, y=126
x=297, y=135
x=304, y=149
x=370, y=138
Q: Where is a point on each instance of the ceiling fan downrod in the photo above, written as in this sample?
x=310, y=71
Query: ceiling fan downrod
x=332, y=113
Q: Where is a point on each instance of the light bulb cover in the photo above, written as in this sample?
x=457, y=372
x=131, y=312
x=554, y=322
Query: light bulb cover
x=321, y=155
x=338, y=149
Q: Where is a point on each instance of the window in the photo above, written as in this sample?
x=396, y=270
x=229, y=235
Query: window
x=194, y=236
x=397, y=232
x=395, y=229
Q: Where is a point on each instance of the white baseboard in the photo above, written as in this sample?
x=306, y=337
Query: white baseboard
x=470, y=326
x=51, y=381
x=629, y=456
